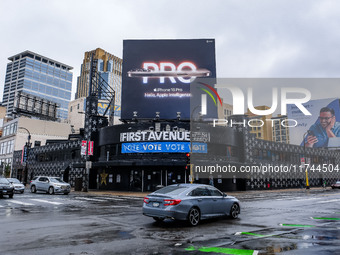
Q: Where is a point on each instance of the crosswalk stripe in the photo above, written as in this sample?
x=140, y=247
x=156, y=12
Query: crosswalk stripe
x=91, y=199
x=328, y=201
x=19, y=203
x=113, y=198
x=298, y=199
x=136, y=198
x=121, y=206
x=45, y=201
x=306, y=199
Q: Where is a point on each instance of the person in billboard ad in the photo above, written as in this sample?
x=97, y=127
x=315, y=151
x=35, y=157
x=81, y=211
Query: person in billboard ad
x=326, y=127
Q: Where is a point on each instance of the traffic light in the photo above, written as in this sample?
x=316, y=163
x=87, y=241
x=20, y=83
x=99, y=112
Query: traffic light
x=188, y=158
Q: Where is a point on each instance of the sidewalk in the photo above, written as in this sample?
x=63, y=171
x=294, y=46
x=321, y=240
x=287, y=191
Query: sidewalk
x=233, y=193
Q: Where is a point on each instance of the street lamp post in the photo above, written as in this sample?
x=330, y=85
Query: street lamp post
x=304, y=155
x=28, y=146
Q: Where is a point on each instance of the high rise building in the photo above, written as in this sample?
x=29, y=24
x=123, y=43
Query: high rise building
x=38, y=75
x=280, y=129
x=224, y=111
x=261, y=125
x=109, y=68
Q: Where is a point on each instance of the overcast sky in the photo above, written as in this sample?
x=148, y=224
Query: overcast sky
x=268, y=38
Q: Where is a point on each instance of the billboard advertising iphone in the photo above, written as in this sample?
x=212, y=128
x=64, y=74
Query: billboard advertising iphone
x=157, y=75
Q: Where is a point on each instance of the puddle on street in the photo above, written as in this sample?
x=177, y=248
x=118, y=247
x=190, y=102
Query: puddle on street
x=326, y=238
x=278, y=248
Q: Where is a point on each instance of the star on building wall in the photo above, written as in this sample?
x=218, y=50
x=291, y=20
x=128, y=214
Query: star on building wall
x=103, y=177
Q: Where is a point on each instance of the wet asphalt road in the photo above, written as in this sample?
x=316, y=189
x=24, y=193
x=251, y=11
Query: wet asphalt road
x=294, y=222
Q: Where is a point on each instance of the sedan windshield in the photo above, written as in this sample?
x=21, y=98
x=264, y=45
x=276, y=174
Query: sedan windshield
x=14, y=180
x=4, y=181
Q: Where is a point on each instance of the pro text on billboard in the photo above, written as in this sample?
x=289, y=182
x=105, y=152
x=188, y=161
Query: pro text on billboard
x=157, y=75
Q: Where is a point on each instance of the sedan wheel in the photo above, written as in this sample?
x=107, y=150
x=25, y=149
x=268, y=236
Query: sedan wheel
x=33, y=189
x=194, y=216
x=234, y=211
x=50, y=190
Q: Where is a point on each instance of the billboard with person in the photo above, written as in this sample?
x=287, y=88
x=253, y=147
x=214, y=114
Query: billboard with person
x=321, y=129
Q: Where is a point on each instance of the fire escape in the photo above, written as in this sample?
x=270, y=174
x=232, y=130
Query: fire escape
x=99, y=90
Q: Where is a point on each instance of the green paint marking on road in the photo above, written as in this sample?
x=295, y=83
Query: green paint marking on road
x=297, y=225
x=254, y=234
x=223, y=250
x=323, y=218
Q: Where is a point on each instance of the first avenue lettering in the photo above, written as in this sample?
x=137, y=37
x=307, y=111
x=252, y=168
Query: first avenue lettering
x=155, y=136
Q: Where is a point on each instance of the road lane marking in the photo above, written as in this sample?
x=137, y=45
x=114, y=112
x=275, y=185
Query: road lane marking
x=45, y=201
x=229, y=251
x=306, y=199
x=251, y=234
x=324, y=218
x=91, y=199
x=1, y=206
x=19, y=203
x=136, y=198
x=298, y=199
x=113, y=198
x=121, y=206
x=328, y=201
x=297, y=225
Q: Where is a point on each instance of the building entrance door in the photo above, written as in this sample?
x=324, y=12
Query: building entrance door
x=93, y=178
x=152, y=179
x=136, y=180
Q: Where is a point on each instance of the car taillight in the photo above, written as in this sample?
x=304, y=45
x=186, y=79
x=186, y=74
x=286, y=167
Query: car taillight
x=171, y=202
x=146, y=200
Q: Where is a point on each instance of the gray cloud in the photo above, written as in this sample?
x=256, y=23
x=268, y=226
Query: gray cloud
x=253, y=38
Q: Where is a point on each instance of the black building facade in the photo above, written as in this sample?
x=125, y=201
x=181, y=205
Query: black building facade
x=141, y=155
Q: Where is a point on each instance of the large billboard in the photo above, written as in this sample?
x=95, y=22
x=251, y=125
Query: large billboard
x=321, y=128
x=157, y=75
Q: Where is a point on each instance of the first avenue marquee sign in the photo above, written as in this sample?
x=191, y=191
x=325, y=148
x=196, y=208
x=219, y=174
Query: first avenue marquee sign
x=155, y=136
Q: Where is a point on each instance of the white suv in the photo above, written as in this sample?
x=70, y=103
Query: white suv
x=50, y=185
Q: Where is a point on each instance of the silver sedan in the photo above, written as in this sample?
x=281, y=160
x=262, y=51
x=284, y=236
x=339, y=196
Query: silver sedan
x=18, y=186
x=191, y=202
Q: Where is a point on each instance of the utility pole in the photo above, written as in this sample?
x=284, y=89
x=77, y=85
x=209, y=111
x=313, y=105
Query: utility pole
x=304, y=155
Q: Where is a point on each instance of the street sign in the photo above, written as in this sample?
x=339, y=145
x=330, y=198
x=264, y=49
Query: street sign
x=90, y=148
x=86, y=148
x=83, y=147
x=88, y=164
x=200, y=137
x=24, y=154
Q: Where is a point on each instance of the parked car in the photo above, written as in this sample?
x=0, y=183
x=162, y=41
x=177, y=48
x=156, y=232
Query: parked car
x=18, y=186
x=336, y=185
x=6, y=188
x=191, y=202
x=50, y=185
